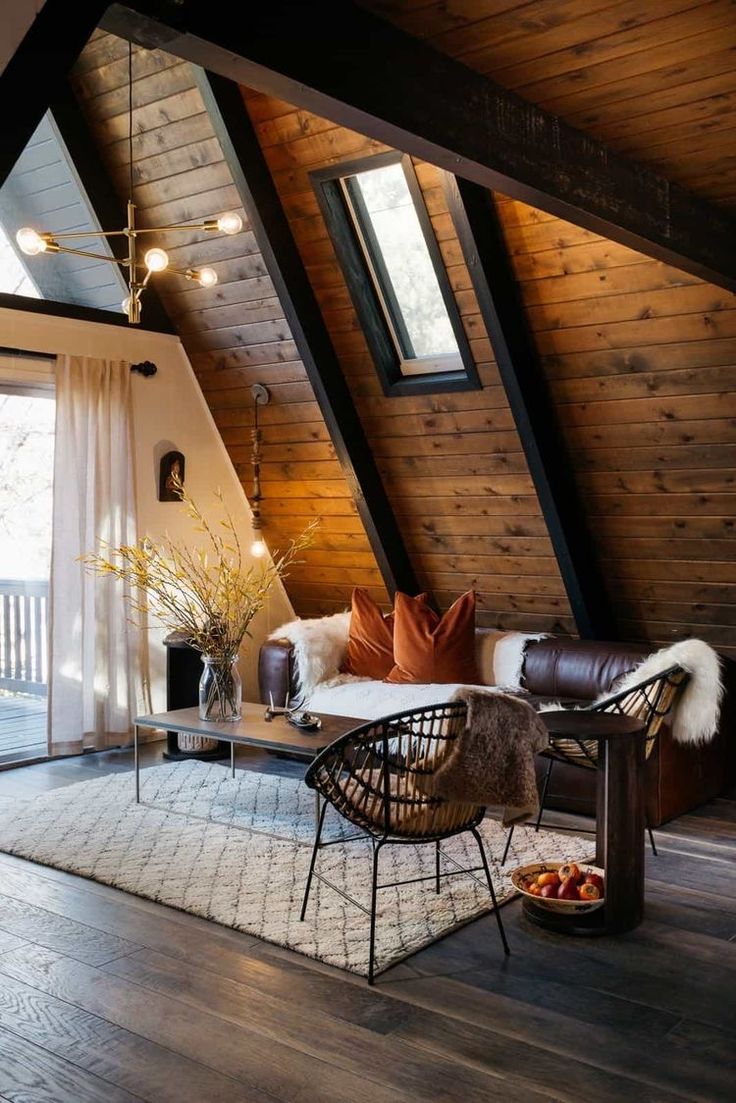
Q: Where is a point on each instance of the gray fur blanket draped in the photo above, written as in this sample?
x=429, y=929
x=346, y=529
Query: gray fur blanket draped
x=493, y=761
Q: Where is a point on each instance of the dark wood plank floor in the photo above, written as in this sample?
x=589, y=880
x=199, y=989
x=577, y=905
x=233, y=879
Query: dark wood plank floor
x=104, y=996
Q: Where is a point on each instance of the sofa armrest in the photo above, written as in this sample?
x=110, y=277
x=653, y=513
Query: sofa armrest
x=277, y=672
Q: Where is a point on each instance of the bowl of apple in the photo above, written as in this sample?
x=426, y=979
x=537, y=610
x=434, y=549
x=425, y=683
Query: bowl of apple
x=561, y=886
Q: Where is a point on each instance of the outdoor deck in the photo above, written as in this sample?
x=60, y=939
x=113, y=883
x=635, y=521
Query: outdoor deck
x=22, y=727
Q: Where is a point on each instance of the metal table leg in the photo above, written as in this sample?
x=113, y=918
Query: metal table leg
x=232, y=760
x=136, y=765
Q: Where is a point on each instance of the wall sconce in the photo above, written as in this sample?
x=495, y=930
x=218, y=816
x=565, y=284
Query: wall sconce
x=261, y=397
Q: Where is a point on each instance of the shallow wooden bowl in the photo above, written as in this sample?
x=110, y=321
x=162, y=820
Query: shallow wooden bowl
x=524, y=874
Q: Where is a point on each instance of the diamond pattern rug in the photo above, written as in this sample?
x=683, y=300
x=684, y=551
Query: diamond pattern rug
x=237, y=851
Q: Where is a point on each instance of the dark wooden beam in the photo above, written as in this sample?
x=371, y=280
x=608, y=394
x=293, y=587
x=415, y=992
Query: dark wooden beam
x=56, y=309
x=252, y=178
x=109, y=211
x=344, y=63
x=479, y=231
x=40, y=68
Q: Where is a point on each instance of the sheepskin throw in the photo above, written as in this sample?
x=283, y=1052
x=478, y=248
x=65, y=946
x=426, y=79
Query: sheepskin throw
x=320, y=645
x=493, y=760
x=696, y=715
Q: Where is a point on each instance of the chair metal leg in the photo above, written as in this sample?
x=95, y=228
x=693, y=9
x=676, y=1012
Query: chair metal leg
x=374, y=893
x=499, y=921
x=509, y=837
x=315, y=848
x=651, y=840
x=437, y=867
x=543, y=798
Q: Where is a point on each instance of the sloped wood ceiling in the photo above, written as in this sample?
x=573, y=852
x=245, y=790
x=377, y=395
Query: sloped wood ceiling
x=235, y=333
x=641, y=358
x=655, y=81
x=452, y=464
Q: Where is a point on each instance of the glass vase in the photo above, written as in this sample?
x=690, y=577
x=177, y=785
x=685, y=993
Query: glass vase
x=220, y=688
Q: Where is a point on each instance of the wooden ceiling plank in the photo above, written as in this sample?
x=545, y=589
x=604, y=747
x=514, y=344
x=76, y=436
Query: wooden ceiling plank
x=258, y=195
x=501, y=141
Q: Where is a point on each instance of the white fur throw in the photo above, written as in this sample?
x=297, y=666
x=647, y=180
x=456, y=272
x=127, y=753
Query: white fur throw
x=320, y=645
x=696, y=715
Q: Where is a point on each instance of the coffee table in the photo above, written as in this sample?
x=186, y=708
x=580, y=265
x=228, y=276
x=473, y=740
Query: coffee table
x=252, y=730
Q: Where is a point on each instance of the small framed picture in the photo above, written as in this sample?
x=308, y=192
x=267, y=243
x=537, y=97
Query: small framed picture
x=171, y=471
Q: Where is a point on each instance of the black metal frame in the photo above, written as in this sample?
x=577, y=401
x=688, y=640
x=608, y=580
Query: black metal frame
x=388, y=727
x=380, y=317
x=610, y=704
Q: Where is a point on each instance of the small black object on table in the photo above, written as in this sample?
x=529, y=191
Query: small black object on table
x=619, y=822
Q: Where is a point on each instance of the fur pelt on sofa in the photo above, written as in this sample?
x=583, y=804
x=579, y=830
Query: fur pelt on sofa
x=696, y=715
x=320, y=645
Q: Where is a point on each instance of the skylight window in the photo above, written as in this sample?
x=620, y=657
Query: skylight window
x=386, y=245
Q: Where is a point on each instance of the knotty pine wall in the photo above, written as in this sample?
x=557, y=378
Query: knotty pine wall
x=452, y=464
x=235, y=334
x=641, y=363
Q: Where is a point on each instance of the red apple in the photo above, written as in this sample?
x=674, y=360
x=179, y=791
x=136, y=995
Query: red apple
x=595, y=879
x=570, y=872
x=589, y=892
x=548, y=891
x=568, y=890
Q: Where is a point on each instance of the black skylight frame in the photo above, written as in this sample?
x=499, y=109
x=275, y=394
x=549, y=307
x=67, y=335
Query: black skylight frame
x=378, y=312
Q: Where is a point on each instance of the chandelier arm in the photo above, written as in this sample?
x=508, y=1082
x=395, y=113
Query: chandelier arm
x=175, y=226
x=87, y=253
x=51, y=235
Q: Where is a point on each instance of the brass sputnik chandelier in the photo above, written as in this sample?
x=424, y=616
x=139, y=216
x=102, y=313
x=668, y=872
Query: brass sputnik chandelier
x=34, y=242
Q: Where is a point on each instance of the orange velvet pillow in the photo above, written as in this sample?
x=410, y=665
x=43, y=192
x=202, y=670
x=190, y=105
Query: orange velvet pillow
x=370, y=651
x=430, y=648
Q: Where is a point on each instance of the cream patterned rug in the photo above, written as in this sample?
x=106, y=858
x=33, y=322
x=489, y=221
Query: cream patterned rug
x=237, y=852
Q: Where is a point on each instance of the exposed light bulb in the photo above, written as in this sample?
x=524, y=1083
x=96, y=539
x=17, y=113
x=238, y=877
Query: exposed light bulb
x=125, y=305
x=230, y=223
x=30, y=242
x=258, y=549
x=156, y=260
x=207, y=277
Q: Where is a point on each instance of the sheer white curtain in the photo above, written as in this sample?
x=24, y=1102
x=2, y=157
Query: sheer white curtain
x=98, y=674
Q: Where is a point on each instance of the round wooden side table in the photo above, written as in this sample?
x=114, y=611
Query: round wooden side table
x=620, y=821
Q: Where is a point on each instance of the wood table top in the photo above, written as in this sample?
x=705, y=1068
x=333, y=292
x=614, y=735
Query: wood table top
x=580, y=724
x=253, y=730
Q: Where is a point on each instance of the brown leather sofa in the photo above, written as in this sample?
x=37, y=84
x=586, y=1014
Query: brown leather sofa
x=575, y=671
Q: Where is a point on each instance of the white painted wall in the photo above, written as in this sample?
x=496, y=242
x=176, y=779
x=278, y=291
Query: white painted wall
x=170, y=413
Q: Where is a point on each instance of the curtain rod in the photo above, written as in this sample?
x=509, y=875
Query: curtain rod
x=146, y=368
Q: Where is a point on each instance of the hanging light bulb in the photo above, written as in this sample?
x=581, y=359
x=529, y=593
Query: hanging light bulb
x=230, y=223
x=125, y=305
x=31, y=242
x=258, y=548
x=156, y=260
x=206, y=277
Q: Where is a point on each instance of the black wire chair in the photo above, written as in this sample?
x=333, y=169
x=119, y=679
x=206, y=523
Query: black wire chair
x=375, y=776
x=650, y=701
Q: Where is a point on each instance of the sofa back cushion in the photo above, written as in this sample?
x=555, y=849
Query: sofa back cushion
x=581, y=669
x=433, y=649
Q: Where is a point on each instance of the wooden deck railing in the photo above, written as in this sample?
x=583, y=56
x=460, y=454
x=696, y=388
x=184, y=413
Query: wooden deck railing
x=24, y=636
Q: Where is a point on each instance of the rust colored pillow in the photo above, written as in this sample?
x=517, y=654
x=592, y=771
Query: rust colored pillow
x=430, y=648
x=370, y=651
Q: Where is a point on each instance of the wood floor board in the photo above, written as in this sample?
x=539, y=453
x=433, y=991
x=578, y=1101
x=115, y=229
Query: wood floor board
x=108, y=996
x=262, y=1064
x=356, y=1050
x=117, y=1056
x=58, y=932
